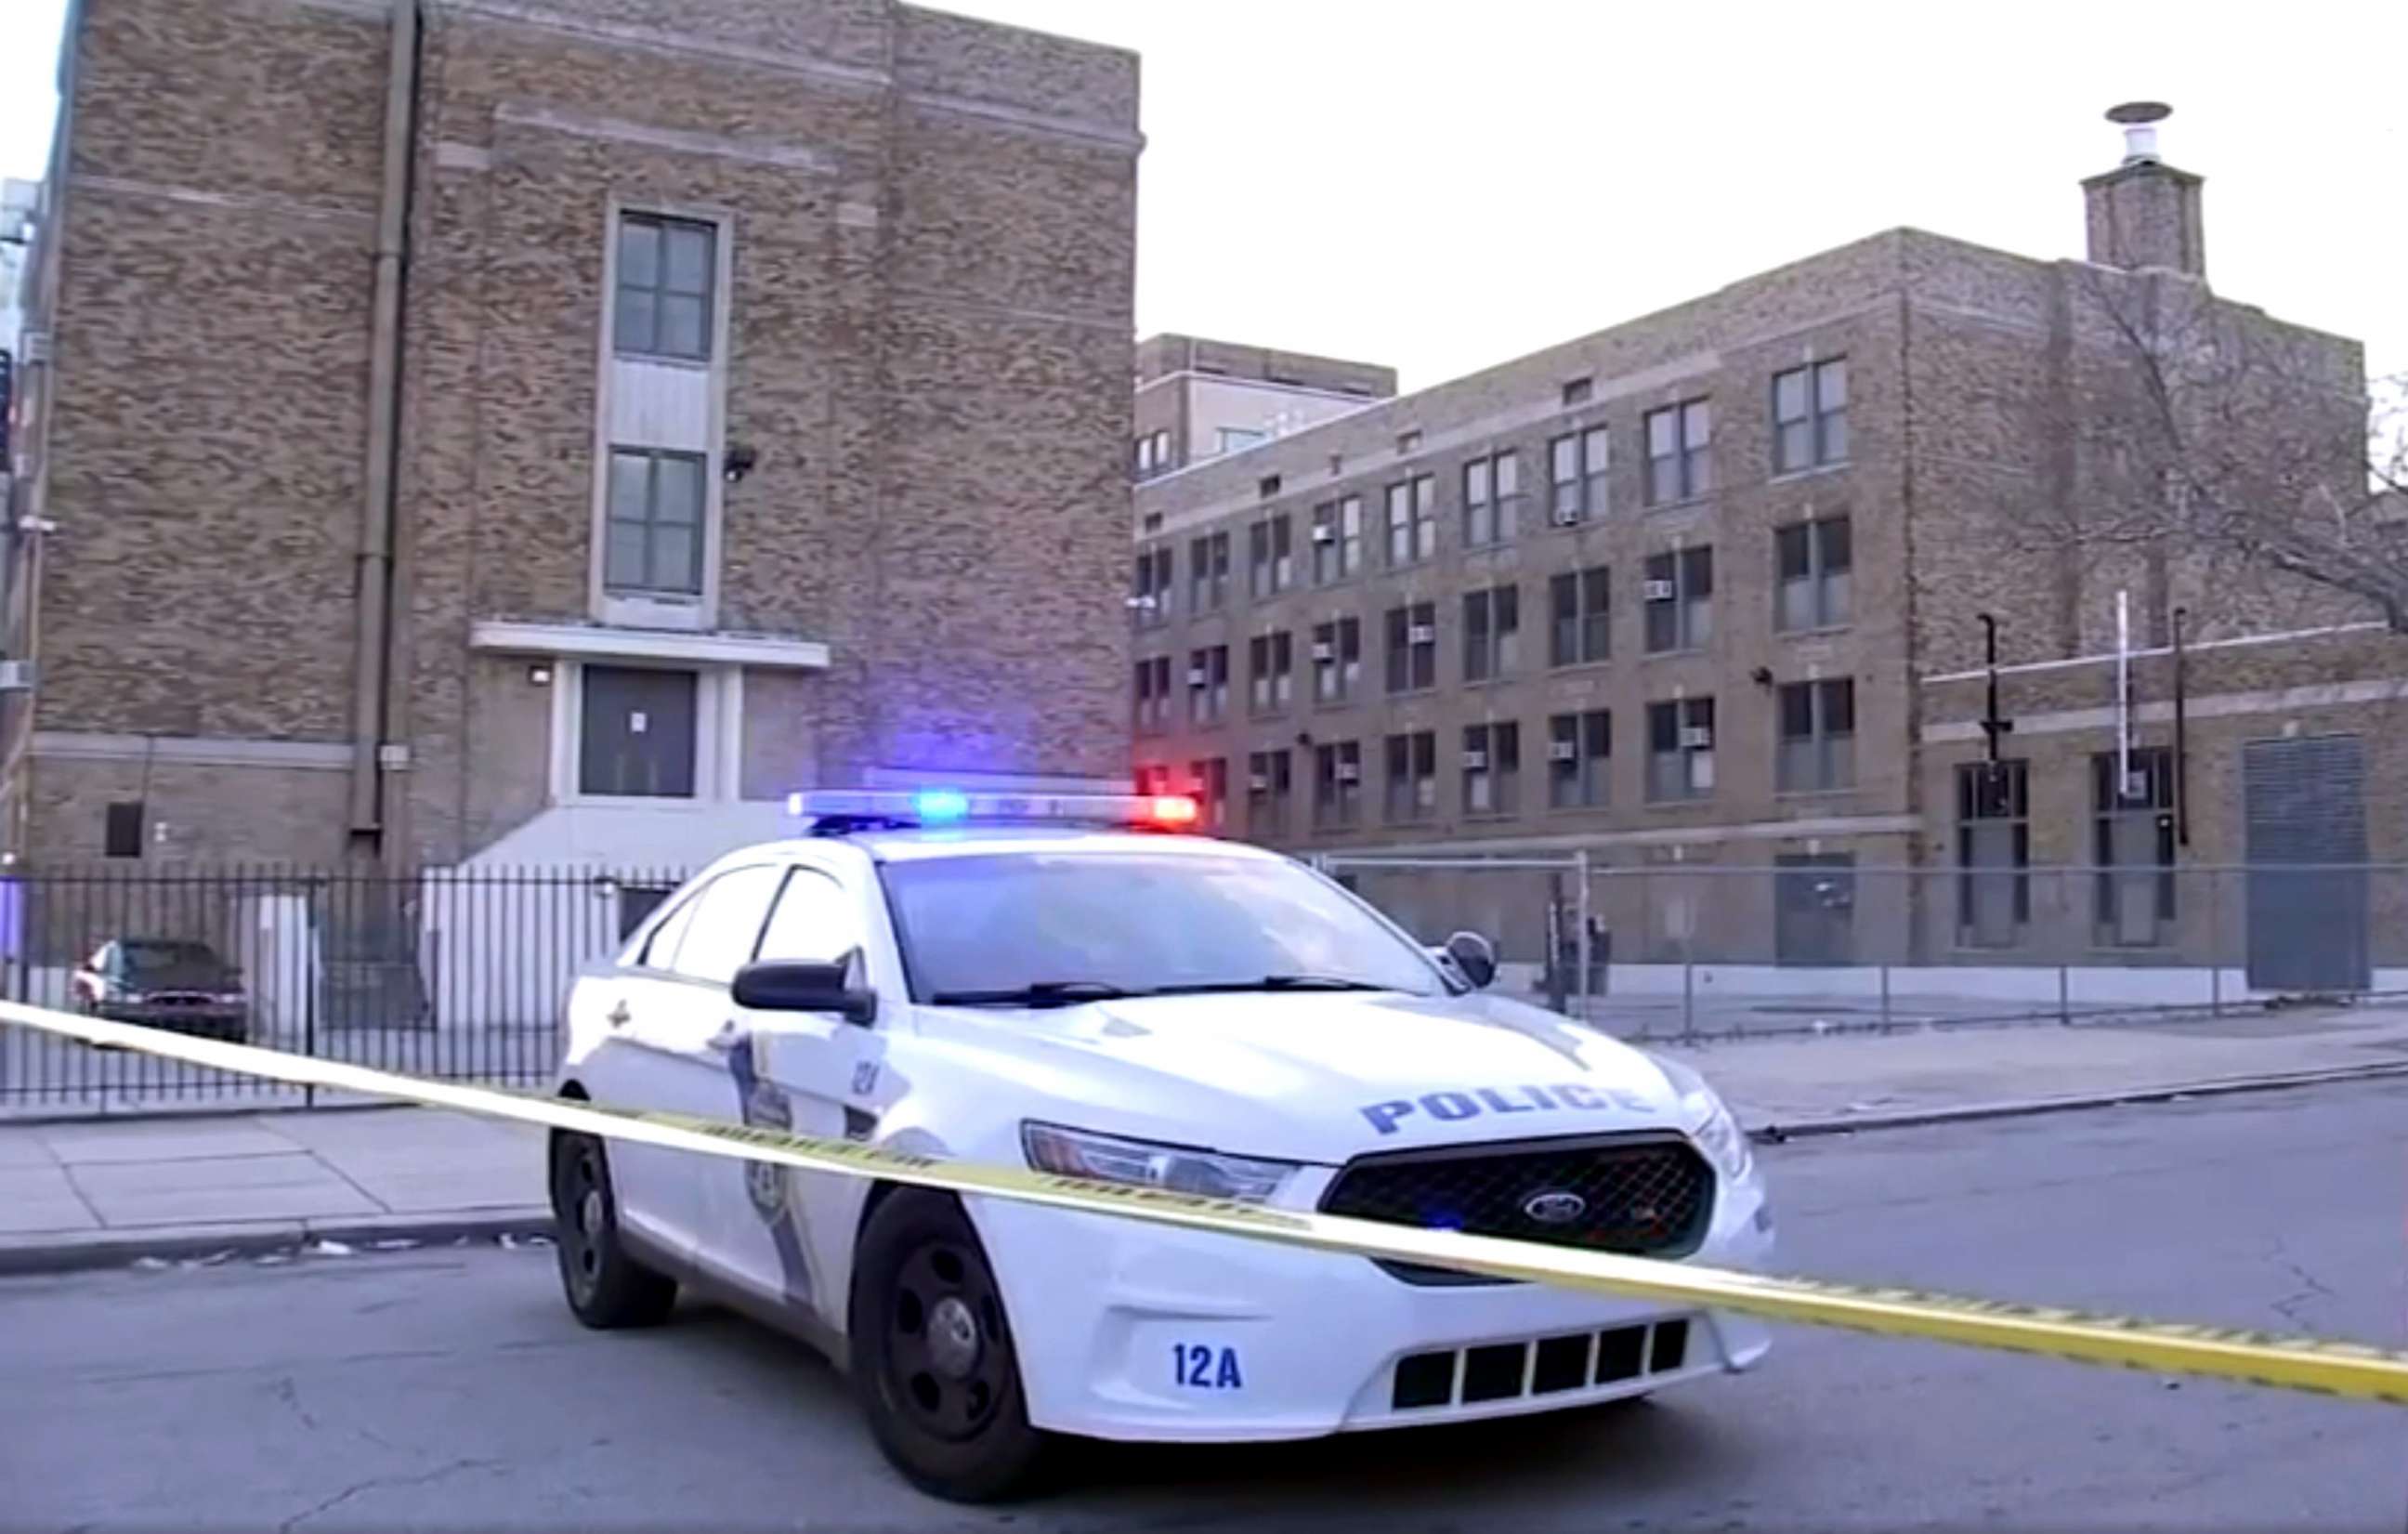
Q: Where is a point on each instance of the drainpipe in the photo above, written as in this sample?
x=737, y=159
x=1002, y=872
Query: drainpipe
x=373, y=573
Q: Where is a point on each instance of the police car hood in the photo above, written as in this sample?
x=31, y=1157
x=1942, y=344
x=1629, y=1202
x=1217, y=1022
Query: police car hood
x=1322, y=1076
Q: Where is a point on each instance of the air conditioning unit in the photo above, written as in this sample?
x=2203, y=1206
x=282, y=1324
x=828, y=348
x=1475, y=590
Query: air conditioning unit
x=1660, y=591
x=1260, y=782
x=1324, y=650
x=1421, y=634
x=1475, y=761
x=1562, y=750
x=1349, y=772
x=1697, y=737
x=1566, y=516
x=33, y=346
x=1196, y=677
x=16, y=675
x=1324, y=535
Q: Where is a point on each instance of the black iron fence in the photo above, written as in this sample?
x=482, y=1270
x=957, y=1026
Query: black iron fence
x=457, y=974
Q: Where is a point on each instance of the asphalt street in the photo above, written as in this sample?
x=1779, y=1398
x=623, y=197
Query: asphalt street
x=448, y=1388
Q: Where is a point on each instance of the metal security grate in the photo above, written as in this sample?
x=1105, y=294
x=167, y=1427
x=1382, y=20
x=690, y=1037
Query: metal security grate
x=1638, y=1196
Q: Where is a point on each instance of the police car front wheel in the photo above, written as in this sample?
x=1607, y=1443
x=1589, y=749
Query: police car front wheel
x=607, y=1288
x=933, y=1358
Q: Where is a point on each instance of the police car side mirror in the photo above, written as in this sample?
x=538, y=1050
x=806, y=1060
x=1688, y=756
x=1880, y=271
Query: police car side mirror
x=1474, y=956
x=793, y=986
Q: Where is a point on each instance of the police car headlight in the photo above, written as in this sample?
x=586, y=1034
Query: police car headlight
x=1076, y=1152
x=1709, y=1121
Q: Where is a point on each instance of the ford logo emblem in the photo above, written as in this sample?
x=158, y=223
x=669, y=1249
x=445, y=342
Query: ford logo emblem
x=1554, y=1207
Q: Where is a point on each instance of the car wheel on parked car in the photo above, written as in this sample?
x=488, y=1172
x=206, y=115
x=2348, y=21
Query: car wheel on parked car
x=933, y=1361
x=608, y=1289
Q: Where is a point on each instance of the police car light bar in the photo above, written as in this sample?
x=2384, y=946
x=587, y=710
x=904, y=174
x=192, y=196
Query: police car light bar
x=840, y=809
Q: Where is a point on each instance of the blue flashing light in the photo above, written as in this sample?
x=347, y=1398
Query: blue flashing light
x=938, y=806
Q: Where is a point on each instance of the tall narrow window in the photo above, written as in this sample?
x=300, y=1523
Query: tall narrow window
x=2133, y=845
x=1207, y=685
x=1492, y=767
x=1681, y=750
x=1993, y=853
x=1492, y=632
x=1337, y=660
x=1209, y=780
x=1680, y=597
x=1271, y=672
x=1579, y=760
x=1412, y=777
x=1412, y=522
x=667, y=271
x=1580, y=603
x=1270, y=788
x=1208, y=572
x=652, y=542
x=1818, y=737
x=1492, y=498
x=1270, y=565
x=1679, y=452
x=1338, y=785
x=1815, y=560
x=1576, y=466
x=1413, y=648
x=1810, y=416
x=1150, y=592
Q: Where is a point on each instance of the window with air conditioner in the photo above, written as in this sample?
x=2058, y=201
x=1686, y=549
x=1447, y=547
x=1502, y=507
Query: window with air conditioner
x=1679, y=593
x=1492, y=767
x=1337, y=661
x=1576, y=472
x=1579, y=759
x=1681, y=750
x=1413, y=648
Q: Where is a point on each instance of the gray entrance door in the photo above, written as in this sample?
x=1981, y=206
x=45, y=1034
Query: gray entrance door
x=2305, y=808
x=1815, y=910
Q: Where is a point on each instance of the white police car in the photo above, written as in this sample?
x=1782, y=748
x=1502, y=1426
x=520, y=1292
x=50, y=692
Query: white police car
x=1122, y=1004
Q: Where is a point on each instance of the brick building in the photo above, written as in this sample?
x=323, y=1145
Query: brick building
x=1200, y=400
x=1702, y=592
x=550, y=432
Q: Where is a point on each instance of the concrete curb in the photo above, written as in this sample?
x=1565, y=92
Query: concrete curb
x=1774, y=1134
x=80, y=1251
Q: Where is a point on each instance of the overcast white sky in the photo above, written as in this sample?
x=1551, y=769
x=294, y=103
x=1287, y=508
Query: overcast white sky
x=1447, y=186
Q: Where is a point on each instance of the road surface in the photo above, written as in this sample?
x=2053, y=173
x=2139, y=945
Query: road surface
x=448, y=1389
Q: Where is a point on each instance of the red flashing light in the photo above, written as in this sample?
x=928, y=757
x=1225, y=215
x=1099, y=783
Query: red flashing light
x=1173, y=809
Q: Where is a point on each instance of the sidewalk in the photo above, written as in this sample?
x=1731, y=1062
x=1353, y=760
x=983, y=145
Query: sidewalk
x=120, y=1191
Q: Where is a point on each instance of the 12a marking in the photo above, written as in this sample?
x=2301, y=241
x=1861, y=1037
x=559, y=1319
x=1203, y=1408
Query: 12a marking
x=1195, y=1366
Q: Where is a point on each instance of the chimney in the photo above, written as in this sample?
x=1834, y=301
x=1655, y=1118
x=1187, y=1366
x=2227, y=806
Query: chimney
x=2144, y=214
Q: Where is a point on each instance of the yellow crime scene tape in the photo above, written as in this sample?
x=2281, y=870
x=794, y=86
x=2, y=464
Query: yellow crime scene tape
x=2252, y=1357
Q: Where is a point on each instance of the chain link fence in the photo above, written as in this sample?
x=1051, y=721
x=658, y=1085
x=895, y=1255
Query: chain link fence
x=1817, y=944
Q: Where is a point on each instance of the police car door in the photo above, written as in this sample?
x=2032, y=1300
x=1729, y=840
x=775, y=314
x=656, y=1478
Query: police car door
x=665, y=1019
x=815, y=1073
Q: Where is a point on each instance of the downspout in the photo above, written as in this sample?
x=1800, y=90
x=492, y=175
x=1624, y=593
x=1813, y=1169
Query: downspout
x=373, y=573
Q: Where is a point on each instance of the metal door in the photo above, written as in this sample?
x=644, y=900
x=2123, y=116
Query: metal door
x=2305, y=806
x=1813, y=910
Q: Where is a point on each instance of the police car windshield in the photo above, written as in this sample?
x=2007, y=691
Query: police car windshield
x=1060, y=928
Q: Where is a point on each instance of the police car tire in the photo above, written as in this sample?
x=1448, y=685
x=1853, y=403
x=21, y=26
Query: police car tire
x=618, y=1292
x=1005, y=1455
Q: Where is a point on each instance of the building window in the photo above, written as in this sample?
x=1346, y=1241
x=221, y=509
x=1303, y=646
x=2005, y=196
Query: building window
x=1576, y=469
x=1337, y=660
x=1207, y=573
x=1492, y=769
x=1492, y=632
x=1268, y=790
x=122, y=829
x=1993, y=853
x=1239, y=439
x=1151, y=591
x=1679, y=600
x=1579, y=760
x=1413, y=521
x=1492, y=498
x=1413, y=648
x=1271, y=562
x=1578, y=392
x=1154, y=694
x=1810, y=416
x=1679, y=452
x=636, y=735
x=653, y=538
x=1582, y=603
x=667, y=268
x=1412, y=777
x=1337, y=539
x=1271, y=672
x=1153, y=454
x=1154, y=779
x=1338, y=786
x=1681, y=750
x=1815, y=560
x=1207, y=684
x=1818, y=737
x=2133, y=846
x=1209, y=780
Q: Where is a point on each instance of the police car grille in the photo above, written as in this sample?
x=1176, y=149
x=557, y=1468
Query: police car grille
x=1639, y=1195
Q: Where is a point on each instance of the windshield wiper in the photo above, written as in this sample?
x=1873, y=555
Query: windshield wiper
x=1043, y=993
x=1272, y=983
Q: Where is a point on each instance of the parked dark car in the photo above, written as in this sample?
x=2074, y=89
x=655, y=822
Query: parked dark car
x=165, y=982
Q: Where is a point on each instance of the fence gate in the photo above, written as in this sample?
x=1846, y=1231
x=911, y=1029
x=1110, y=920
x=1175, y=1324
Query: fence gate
x=1813, y=910
x=2305, y=805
